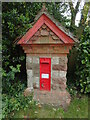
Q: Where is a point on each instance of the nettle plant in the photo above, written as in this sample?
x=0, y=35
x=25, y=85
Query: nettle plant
x=83, y=62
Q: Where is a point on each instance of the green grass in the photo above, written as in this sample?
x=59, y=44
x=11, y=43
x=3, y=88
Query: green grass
x=77, y=109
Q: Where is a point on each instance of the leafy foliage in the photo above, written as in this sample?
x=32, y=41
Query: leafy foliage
x=16, y=20
x=13, y=98
x=77, y=109
x=9, y=79
x=57, y=10
x=71, y=88
x=15, y=102
x=83, y=62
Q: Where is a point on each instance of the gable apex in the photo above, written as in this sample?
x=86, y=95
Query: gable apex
x=57, y=23
x=44, y=36
x=43, y=17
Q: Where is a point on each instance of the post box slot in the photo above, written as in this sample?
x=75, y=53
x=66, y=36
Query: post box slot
x=45, y=62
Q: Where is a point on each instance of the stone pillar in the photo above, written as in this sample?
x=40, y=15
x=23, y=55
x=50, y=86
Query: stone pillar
x=30, y=79
x=59, y=71
x=36, y=72
x=32, y=66
x=29, y=65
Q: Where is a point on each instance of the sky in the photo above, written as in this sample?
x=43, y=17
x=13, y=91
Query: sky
x=78, y=16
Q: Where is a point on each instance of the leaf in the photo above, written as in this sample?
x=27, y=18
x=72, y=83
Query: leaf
x=83, y=61
x=81, y=90
x=85, y=51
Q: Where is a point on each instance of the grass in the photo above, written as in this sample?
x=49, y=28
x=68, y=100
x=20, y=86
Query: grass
x=77, y=109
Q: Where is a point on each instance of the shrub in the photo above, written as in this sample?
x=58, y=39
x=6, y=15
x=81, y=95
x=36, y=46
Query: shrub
x=13, y=98
x=12, y=104
x=9, y=78
x=83, y=63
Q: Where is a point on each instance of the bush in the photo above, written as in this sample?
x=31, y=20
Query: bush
x=71, y=88
x=12, y=104
x=9, y=78
x=13, y=98
x=83, y=63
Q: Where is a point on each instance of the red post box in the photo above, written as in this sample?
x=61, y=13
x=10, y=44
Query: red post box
x=45, y=74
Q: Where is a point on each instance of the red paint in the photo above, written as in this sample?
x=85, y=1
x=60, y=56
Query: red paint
x=57, y=31
x=35, y=44
x=32, y=31
x=45, y=74
x=45, y=20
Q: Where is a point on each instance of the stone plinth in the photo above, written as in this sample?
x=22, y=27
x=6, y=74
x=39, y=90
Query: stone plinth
x=54, y=98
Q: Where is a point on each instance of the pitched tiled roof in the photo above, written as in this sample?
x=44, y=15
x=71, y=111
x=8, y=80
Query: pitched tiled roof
x=44, y=17
x=66, y=31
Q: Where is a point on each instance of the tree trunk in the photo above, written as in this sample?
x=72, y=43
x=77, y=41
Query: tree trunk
x=83, y=20
x=74, y=12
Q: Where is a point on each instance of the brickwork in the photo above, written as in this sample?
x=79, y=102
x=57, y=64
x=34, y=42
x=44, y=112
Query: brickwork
x=46, y=49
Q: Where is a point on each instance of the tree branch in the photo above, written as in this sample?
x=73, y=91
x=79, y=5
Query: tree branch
x=77, y=6
x=71, y=6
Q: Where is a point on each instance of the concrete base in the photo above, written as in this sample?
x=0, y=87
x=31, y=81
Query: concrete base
x=55, y=98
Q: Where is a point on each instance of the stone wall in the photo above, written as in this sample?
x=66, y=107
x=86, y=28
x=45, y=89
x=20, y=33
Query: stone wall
x=44, y=43
x=58, y=72
x=32, y=66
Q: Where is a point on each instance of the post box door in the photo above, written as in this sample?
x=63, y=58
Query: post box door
x=45, y=74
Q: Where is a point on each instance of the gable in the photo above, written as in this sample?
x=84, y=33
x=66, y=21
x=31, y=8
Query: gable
x=51, y=25
x=44, y=36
